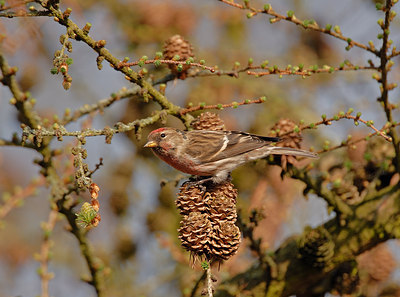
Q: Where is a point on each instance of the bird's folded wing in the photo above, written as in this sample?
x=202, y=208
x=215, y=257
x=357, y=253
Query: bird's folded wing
x=211, y=146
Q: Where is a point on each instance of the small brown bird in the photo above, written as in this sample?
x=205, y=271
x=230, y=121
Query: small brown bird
x=214, y=154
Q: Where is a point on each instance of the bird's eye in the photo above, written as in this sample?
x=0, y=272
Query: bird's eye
x=163, y=135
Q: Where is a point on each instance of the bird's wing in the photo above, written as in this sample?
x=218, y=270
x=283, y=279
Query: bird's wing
x=211, y=146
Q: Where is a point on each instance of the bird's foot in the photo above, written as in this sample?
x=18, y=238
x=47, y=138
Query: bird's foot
x=199, y=182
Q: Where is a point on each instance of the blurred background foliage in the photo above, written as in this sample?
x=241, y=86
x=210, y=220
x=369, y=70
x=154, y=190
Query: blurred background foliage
x=137, y=239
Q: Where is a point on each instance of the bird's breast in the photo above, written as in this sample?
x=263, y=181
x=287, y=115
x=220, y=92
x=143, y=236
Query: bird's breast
x=181, y=163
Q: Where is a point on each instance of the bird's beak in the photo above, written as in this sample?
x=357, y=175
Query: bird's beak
x=150, y=144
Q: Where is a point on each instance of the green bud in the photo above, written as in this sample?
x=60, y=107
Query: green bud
x=205, y=265
x=336, y=183
x=264, y=64
x=179, y=67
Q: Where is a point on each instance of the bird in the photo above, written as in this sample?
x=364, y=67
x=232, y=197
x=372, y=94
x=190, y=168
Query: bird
x=213, y=155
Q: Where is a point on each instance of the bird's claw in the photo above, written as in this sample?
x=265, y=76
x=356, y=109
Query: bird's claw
x=199, y=183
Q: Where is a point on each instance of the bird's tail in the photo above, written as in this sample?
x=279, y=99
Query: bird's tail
x=277, y=150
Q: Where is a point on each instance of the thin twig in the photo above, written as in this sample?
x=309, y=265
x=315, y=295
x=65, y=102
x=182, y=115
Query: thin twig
x=44, y=257
x=108, y=132
x=310, y=71
x=384, y=69
x=15, y=199
x=341, y=115
x=209, y=282
x=156, y=61
x=12, y=14
x=97, y=167
x=100, y=105
x=20, y=98
x=307, y=25
x=222, y=106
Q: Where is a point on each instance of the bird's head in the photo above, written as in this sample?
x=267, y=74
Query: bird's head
x=164, y=139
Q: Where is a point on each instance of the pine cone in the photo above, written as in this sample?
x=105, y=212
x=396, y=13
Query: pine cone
x=316, y=247
x=342, y=182
x=191, y=199
x=221, y=209
x=225, y=240
x=292, y=140
x=208, y=121
x=178, y=46
x=226, y=189
x=195, y=233
x=208, y=227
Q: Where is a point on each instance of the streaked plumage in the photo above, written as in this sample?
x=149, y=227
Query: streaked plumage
x=214, y=153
